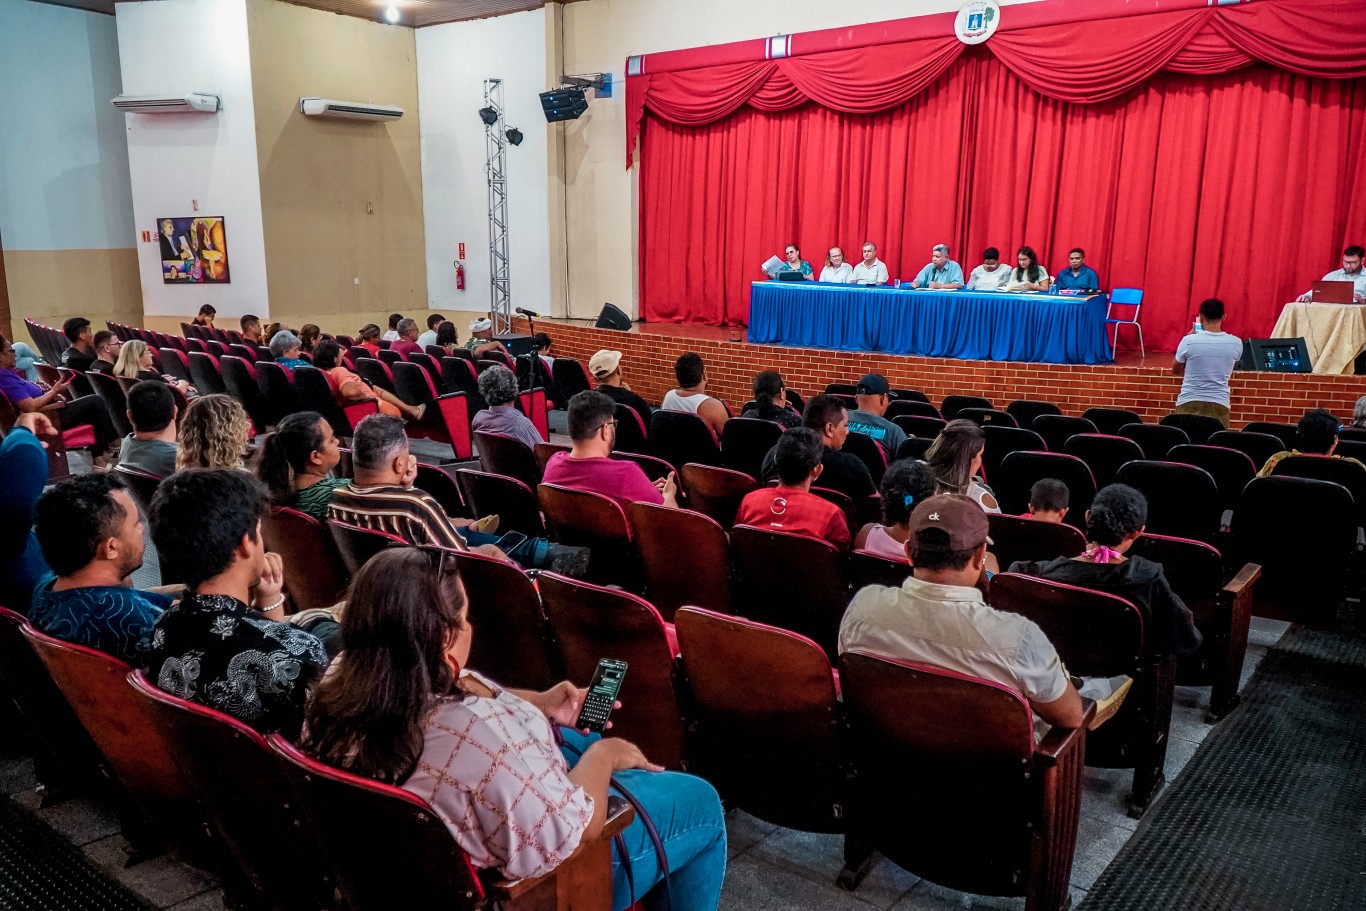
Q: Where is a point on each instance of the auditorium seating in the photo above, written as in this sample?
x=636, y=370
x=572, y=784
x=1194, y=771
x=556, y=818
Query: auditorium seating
x=1339, y=471
x=745, y=442
x=865, y=568
x=1230, y=469
x=913, y=448
x=1016, y=538
x=141, y=485
x=1019, y=471
x=1103, y=454
x=1056, y=429
x=205, y=374
x=911, y=408
x=314, y=571
x=716, y=492
x=768, y=563
x=1001, y=441
x=869, y=452
x=952, y=404
x=107, y=387
x=515, y=504
x=570, y=377
x=1256, y=446
x=459, y=376
x=679, y=438
x=655, y=468
x=513, y=643
x=239, y=377
x=1183, y=500
x=357, y=545
x=317, y=392
x=922, y=426
x=277, y=387
x=1156, y=440
x=443, y=488
x=988, y=417
x=685, y=557
x=585, y=519
x=1198, y=427
x=507, y=456
x=1024, y=411
x=632, y=434
x=1109, y=420
x=1283, y=432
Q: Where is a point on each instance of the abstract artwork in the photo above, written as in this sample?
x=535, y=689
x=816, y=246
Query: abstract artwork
x=194, y=251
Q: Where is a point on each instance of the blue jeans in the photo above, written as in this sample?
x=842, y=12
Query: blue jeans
x=687, y=814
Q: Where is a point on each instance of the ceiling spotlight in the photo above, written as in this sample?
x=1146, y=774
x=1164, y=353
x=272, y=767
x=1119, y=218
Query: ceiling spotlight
x=488, y=115
x=514, y=136
x=391, y=15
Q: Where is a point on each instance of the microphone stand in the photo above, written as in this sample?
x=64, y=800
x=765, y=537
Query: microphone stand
x=535, y=353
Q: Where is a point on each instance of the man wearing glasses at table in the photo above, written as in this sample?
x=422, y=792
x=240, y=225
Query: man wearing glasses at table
x=941, y=273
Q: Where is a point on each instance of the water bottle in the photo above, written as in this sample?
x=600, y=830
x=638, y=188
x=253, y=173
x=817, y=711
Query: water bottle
x=1198, y=328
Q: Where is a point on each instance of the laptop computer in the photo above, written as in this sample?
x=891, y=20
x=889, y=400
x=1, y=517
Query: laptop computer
x=1332, y=292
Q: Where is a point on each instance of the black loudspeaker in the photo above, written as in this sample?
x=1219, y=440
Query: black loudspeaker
x=1283, y=355
x=612, y=317
x=563, y=104
x=518, y=343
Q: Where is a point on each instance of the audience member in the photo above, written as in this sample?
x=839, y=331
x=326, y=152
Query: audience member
x=400, y=706
x=837, y=271
x=1205, y=361
x=351, y=388
x=1048, y=500
x=107, y=346
x=691, y=395
x=1351, y=271
x=938, y=617
x=589, y=465
x=309, y=336
x=91, y=533
x=223, y=645
x=481, y=340
x=23, y=465
x=406, y=343
x=770, y=401
x=906, y=483
x=498, y=386
x=1078, y=276
x=447, y=338
x=791, y=506
x=1028, y=275
x=137, y=362
x=270, y=331
x=1113, y=523
x=80, y=354
x=206, y=316
x=842, y=471
x=392, y=334
x=1316, y=435
x=151, y=448
x=606, y=369
x=873, y=395
x=541, y=344
x=940, y=273
x=1359, y=414
x=29, y=397
x=990, y=275
x=367, y=338
x=295, y=464
x=285, y=347
x=956, y=458
x=252, y=332
x=429, y=337
x=871, y=270
x=214, y=433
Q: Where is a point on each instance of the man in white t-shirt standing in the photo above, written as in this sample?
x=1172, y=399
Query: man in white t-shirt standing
x=1205, y=361
x=871, y=271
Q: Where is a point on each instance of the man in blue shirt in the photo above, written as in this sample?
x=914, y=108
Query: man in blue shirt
x=941, y=273
x=92, y=536
x=1077, y=276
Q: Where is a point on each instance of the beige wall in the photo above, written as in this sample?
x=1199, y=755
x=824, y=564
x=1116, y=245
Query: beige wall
x=51, y=285
x=341, y=200
x=599, y=35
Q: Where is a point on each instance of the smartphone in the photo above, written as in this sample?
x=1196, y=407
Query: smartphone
x=602, y=693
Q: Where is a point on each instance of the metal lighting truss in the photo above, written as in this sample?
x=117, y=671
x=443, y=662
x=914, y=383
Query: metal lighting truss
x=495, y=168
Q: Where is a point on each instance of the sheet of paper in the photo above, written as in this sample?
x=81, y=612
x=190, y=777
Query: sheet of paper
x=772, y=265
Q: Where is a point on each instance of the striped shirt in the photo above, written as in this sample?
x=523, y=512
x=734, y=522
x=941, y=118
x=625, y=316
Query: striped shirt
x=411, y=514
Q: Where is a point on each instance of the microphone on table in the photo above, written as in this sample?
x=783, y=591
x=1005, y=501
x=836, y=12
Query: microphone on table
x=524, y=312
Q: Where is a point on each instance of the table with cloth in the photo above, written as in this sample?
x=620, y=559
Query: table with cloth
x=973, y=325
x=1333, y=333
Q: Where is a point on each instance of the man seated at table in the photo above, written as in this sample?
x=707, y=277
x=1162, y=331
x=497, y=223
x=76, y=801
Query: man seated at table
x=1077, y=276
x=941, y=273
x=990, y=275
x=872, y=271
x=1351, y=271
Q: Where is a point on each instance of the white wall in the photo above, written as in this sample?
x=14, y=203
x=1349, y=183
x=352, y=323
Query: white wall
x=63, y=158
x=174, y=159
x=452, y=63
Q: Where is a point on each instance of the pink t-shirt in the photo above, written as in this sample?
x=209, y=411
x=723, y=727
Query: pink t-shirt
x=405, y=347
x=616, y=478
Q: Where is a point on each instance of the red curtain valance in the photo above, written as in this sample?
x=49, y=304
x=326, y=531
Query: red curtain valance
x=1058, y=50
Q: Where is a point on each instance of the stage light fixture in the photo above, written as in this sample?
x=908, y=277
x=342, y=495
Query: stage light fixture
x=488, y=115
x=566, y=103
x=514, y=136
x=391, y=14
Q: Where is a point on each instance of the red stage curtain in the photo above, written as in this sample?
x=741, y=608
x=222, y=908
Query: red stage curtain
x=1243, y=185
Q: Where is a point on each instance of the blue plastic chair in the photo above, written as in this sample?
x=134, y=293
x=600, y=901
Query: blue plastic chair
x=1124, y=298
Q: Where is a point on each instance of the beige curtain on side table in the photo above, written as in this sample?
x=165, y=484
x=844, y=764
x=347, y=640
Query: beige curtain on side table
x=1333, y=333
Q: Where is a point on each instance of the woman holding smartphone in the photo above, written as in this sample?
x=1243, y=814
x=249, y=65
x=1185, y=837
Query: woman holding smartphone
x=400, y=706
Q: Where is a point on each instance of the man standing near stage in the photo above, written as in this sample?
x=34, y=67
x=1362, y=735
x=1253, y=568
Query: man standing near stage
x=941, y=273
x=871, y=271
x=1205, y=361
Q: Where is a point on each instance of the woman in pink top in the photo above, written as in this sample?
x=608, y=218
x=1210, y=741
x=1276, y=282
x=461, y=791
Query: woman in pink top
x=399, y=706
x=906, y=483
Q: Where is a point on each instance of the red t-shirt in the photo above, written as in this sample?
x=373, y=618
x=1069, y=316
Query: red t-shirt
x=619, y=479
x=795, y=512
x=405, y=347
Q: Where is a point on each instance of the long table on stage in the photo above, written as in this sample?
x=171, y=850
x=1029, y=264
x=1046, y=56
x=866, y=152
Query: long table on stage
x=973, y=325
x=1333, y=334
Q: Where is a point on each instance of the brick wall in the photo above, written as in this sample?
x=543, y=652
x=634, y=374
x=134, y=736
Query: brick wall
x=1151, y=391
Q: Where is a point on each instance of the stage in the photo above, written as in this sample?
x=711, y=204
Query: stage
x=1142, y=384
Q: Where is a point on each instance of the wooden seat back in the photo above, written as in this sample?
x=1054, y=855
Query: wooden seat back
x=764, y=562
x=716, y=492
x=512, y=641
x=685, y=556
x=507, y=456
x=315, y=573
x=1016, y=538
x=515, y=504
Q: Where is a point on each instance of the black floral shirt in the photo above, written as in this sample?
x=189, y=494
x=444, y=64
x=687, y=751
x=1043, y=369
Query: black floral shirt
x=217, y=651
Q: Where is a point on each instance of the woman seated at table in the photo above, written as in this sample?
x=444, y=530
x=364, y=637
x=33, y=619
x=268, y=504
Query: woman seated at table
x=837, y=271
x=351, y=388
x=400, y=706
x=795, y=263
x=1028, y=275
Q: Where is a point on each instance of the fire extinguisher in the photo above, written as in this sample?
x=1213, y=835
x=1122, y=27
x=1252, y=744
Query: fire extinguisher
x=459, y=276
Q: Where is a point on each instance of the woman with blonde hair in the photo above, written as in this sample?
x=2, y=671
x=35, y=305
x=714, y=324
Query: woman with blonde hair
x=955, y=458
x=135, y=362
x=213, y=433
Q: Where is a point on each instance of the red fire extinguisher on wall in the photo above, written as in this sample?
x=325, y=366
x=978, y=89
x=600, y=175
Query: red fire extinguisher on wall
x=459, y=276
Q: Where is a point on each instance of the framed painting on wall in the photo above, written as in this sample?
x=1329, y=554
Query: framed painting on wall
x=194, y=251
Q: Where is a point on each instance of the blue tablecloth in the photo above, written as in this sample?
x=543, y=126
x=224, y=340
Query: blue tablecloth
x=993, y=326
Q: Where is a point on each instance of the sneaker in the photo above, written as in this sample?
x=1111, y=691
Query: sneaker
x=567, y=560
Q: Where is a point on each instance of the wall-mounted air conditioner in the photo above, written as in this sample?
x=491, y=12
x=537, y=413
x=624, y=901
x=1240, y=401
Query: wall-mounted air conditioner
x=354, y=110
x=194, y=102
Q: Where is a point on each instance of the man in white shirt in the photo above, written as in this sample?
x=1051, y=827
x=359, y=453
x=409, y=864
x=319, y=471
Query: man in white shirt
x=429, y=337
x=990, y=275
x=939, y=617
x=1350, y=272
x=837, y=271
x=1205, y=361
x=941, y=273
x=392, y=334
x=871, y=271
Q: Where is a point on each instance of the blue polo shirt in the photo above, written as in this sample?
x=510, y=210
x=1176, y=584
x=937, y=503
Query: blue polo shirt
x=1085, y=280
x=952, y=273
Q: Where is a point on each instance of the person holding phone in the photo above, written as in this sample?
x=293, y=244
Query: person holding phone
x=29, y=397
x=400, y=705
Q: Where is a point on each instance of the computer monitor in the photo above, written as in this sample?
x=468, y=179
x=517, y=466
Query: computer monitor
x=1284, y=355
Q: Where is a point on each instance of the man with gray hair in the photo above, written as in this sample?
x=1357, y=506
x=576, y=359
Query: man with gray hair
x=284, y=347
x=406, y=343
x=940, y=273
x=498, y=386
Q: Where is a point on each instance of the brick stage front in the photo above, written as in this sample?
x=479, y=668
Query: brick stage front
x=1145, y=385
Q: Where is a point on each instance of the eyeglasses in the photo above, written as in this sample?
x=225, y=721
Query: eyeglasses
x=611, y=423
